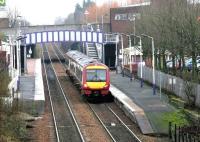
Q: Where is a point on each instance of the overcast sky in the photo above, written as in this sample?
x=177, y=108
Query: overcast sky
x=39, y=12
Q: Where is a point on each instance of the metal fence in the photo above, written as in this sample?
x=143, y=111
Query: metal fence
x=184, y=133
x=168, y=82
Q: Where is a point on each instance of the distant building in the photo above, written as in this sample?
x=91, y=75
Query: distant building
x=122, y=19
x=132, y=2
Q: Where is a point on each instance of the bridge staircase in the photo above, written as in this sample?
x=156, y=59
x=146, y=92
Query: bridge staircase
x=92, y=50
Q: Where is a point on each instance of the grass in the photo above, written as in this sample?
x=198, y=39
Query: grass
x=191, y=113
x=177, y=102
x=194, y=114
x=178, y=117
x=158, y=124
x=160, y=121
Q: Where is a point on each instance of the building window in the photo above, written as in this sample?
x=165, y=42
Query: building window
x=133, y=16
x=127, y=16
x=121, y=17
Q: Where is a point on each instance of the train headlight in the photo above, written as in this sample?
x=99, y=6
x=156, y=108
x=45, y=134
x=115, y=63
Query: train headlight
x=106, y=86
x=85, y=85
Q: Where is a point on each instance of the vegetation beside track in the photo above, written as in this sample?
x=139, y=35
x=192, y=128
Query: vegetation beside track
x=12, y=127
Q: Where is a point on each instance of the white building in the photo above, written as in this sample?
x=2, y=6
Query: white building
x=8, y=52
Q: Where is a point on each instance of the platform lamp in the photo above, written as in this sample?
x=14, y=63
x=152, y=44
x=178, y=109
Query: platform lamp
x=132, y=18
x=141, y=54
x=122, y=44
x=18, y=43
x=102, y=20
x=153, y=61
x=86, y=13
x=129, y=37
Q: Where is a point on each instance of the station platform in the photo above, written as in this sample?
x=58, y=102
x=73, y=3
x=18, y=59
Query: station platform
x=140, y=104
x=31, y=87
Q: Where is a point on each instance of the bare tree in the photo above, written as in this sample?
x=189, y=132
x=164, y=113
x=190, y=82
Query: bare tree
x=59, y=20
x=12, y=15
x=175, y=28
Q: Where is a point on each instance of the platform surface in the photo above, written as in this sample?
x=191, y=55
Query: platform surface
x=145, y=106
x=31, y=84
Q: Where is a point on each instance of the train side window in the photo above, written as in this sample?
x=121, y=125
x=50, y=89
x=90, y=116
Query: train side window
x=79, y=73
x=67, y=61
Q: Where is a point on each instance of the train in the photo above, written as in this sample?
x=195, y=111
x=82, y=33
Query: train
x=93, y=76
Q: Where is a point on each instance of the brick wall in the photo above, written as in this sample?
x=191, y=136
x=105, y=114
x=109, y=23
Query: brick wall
x=127, y=26
x=123, y=26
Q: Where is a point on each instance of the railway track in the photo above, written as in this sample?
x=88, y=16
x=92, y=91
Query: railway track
x=113, y=124
x=66, y=127
x=116, y=128
x=91, y=128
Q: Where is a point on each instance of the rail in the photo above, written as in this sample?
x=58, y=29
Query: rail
x=67, y=101
x=59, y=136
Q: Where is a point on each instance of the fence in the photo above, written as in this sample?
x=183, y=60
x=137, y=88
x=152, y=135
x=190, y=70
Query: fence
x=169, y=83
x=184, y=133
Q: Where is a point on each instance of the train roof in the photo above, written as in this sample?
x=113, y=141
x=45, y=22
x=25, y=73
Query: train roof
x=80, y=58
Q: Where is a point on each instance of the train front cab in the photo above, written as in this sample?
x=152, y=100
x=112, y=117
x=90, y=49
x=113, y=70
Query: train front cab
x=95, y=81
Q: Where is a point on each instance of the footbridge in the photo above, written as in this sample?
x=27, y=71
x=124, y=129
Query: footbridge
x=64, y=35
x=91, y=37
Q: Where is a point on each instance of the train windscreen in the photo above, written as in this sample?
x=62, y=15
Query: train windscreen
x=96, y=75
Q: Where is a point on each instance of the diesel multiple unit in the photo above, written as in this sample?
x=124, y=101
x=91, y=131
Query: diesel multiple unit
x=93, y=76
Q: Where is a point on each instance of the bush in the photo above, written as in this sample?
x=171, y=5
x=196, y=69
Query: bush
x=4, y=78
x=189, y=90
x=178, y=117
x=12, y=127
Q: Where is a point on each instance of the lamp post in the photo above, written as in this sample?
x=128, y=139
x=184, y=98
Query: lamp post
x=116, y=51
x=141, y=62
x=18, y=45
x=102, y=21
x=122, y=43
x=129, y=37
x=25, y=53
x=86, y=13
x=132, y=18
x=153, y=62
x=130, y=58
x=96, y=10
